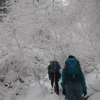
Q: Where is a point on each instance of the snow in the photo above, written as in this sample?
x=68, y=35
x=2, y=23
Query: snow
x=95, y=96
x=35, y=92
x=34, y=32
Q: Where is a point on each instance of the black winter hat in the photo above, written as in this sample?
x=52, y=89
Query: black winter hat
x=71, y=56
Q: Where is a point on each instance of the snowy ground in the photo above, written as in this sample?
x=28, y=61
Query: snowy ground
x=34, y=93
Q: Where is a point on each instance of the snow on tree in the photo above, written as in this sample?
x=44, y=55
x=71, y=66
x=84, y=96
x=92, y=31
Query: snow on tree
x=33, y=32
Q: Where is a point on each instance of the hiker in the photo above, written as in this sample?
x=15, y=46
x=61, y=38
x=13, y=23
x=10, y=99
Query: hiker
x=73, y=79
x=54, y=75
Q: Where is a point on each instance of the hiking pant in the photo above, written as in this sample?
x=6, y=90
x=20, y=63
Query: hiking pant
x=55, y=78
x=73, y=91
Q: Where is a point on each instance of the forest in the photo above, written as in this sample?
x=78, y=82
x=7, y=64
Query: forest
x=34, y=32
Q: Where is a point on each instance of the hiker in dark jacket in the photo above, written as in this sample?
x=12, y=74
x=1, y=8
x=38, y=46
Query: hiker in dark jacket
x=54, y=74
x=74, y=84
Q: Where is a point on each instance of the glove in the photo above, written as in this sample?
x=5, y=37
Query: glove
x=84, y=92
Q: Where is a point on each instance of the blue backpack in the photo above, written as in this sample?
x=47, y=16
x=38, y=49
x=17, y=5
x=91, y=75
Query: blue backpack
x=55, y=66
x=73, y=66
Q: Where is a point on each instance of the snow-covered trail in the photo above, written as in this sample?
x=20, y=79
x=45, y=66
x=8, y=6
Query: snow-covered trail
x=34, y=93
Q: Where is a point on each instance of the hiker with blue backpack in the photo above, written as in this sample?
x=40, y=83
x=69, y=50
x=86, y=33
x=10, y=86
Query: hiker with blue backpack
x=54, y=75
x=73, y=80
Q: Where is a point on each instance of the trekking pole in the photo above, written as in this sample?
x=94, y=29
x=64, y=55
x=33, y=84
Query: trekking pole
x=86, y=97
